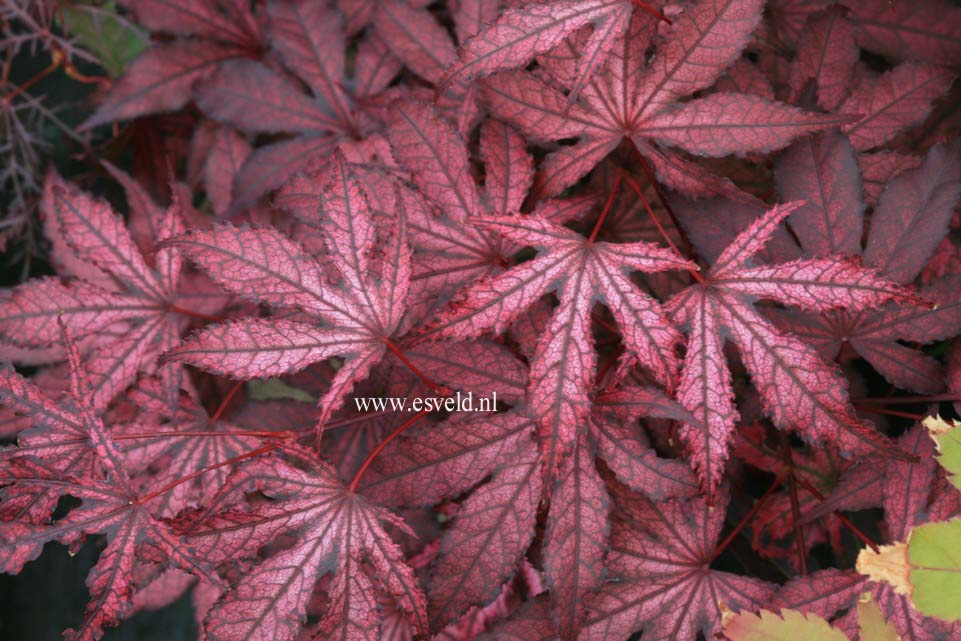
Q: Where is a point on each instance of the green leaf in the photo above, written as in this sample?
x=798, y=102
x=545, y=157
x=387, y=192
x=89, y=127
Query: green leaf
x=872, y=623
x=947, y=436
x=100, y=30
x=790, y=626
x=274, y=388
x=934, y=556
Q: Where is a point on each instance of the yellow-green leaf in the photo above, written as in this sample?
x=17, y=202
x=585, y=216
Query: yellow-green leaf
x=274, y=388
x=947, y=436
x=934, y=555
x=791, y=625
x=872, y=623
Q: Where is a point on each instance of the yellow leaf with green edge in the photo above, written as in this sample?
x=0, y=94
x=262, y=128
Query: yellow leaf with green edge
x=274, y=388
x=947, y=436
x=101, y=31
x=791, y=625
x=872, y=624
x=934, y=556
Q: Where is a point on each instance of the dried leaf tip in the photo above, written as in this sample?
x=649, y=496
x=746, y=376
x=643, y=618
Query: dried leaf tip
x=937, y=425
x=888, y=565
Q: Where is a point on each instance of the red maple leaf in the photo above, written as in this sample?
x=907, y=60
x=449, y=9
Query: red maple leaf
x=631, y=99
x=110, y=504
x=781, y=365
x=335, y=529
x=129, y=310
x=354, y=318
x=664, y=585
x=580, y=269
x=910, y=219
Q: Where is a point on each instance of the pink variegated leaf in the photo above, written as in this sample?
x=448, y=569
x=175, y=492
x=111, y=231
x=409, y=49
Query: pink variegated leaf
x=635, y=96
x=162, y=80
x=436, y=156
x=780, y=365
x=309, y=37
x=271, y=166
x=145, y=214
x=228, y=152
x=818, y=284
x=482, y=367
x=335, y=529
x=490, y=533
x=912, y=215
x=348, y=226
x=249, y=96
x=261, y=264
x=576, y=538
x=826, y=56
x=637, y=465
x=898, y=99
x=442, y=461
x=509, y=168
x=108, y=505
x=579, y=269
x=124, y=304
x=823, y=170
x=29, y=316
x=925, y=30
x=261, y=348
x=415, y=37
x=178, y=453
x=706, y=40
x=97, y=235
x=363, y=307
x=657, y=571
x=520, y=34
x=706, y=390
x=723, y=124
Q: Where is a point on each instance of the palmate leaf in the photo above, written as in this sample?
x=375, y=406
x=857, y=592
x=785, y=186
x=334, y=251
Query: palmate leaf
x=664, y=586
x=354, y=318
x=520, y=34
x=781, y=366
x=451, y=254
x=630, y=99
x=110, y=504
x=589, y=504
x=255, y=97
x=908, y=222
x=826, y=72
x=495, y=523
x=127, y=307
x=580, y=270
x=335, y=530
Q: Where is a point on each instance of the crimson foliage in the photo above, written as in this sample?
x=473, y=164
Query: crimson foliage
x=695, y=249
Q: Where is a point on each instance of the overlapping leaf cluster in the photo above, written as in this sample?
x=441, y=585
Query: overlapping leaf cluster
x=675, y=240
